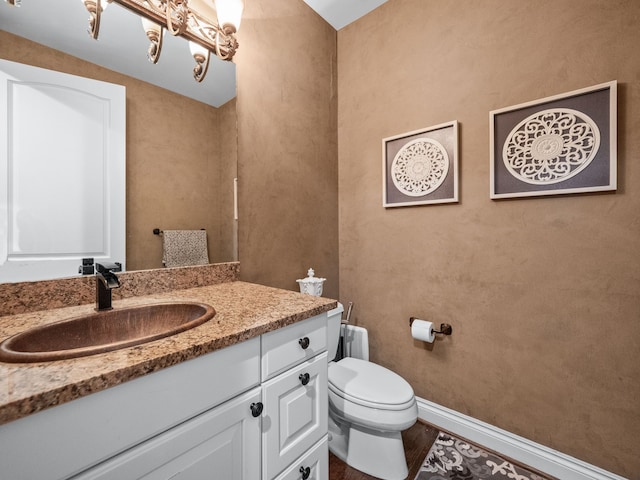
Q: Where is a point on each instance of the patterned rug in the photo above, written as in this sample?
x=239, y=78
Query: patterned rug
x=453, y=459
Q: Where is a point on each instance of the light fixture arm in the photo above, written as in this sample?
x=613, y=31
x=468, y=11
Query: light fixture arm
x=177, y=14
x=225, y=48
x=94, y=7
x=202, y=65
x=155, y=45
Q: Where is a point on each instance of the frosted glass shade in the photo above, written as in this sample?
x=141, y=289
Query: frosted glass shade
x=229, y=12
x=150, y=26
x=197, y=49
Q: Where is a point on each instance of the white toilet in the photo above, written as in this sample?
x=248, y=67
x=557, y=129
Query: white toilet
x=369, y=406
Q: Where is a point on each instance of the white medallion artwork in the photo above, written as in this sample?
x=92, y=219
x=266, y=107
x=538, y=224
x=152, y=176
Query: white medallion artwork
x=420, y=167
x=551, y=146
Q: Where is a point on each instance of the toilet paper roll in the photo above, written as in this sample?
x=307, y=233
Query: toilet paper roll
x=422, y=330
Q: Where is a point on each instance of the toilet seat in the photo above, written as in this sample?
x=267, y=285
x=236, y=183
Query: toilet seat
x=370, y=395
x=369, y=385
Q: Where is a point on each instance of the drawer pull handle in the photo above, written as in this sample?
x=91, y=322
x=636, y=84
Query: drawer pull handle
x=304, y=378
x=304, y=343
x=305, y=472
x=256, y=409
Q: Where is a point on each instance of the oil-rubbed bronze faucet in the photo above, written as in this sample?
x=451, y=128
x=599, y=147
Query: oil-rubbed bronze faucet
x=106, y=280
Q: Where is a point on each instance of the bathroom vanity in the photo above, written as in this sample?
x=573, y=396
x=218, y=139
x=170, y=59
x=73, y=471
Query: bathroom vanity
x=243, y=396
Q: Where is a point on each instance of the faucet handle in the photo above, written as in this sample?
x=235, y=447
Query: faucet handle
x=87, y=267
x=108, y=267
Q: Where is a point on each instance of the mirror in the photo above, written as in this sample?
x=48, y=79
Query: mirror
x=181, y=152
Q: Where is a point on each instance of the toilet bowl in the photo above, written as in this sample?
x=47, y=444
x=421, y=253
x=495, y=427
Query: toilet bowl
x=369, y=407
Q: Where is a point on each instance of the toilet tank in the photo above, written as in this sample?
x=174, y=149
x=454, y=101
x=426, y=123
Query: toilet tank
x=333, y=330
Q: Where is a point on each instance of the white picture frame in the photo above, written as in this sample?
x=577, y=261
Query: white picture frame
x=421, y=167
x=563, y=144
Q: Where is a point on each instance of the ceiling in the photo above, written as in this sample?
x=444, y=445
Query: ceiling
x=122, y=44
x=340, y=13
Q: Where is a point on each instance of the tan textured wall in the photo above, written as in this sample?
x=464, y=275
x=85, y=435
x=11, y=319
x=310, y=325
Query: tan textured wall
x=287, y=152
x=176, y=155
x=543, y=294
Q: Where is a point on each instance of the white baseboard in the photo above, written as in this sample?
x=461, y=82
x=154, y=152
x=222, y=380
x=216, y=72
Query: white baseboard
x=525, y=451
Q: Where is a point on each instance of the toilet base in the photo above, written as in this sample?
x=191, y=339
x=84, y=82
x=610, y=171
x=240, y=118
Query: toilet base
x=376, y=453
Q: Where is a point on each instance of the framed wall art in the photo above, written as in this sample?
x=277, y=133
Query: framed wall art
x=556, y=145
x=421, y=167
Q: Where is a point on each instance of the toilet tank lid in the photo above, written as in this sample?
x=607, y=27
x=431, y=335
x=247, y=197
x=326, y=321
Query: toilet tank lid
x=369, y=382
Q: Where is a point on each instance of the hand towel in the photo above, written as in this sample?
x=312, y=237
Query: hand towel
x=182, y=248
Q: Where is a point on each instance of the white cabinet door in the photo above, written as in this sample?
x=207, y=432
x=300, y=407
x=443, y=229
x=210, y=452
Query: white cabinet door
x=295, y=414
x=221, y=444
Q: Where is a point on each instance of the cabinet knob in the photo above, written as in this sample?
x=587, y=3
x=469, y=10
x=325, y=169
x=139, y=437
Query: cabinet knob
x=304, y=378
x=304, y=343
x=305, y=472
x=256, y=409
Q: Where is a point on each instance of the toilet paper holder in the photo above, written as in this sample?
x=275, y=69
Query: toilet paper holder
x=445, y=328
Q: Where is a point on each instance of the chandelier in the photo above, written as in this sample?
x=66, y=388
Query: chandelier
x=190, y=19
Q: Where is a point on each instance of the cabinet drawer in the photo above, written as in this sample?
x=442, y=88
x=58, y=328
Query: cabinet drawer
x=221, y=443
x=288, y=346
x=295, y=414
x=315, y=460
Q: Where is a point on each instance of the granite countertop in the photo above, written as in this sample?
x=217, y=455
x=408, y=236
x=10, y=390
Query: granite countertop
x=243, y=311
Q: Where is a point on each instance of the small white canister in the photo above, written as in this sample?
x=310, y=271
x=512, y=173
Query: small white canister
x=311, y=285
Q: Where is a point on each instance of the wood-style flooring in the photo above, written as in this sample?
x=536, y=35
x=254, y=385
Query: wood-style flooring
x=417, y=442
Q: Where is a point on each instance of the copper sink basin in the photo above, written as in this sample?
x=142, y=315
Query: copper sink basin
x=103, y=331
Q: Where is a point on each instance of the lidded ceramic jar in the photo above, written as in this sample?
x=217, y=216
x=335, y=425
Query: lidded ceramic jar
x=311, y=285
